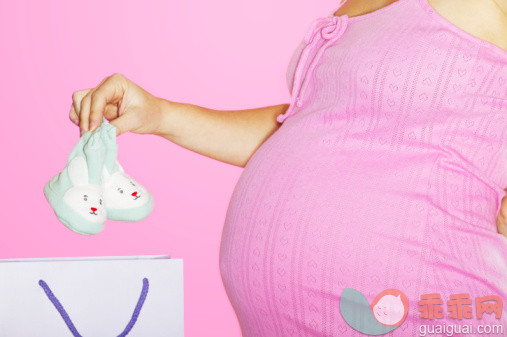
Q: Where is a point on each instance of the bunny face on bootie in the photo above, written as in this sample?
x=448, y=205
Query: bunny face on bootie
x=122, y=192
x=84, y=198
x=87, y=202
x=126, y=199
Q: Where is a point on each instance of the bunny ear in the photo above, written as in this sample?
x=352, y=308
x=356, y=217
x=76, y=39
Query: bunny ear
x=120, y=168
x=105, y=174
x=78, y=171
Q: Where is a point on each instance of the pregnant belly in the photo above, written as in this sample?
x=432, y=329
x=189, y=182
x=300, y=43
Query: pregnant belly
x=311, y=217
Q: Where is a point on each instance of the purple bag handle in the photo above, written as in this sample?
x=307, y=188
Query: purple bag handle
x=59, y=307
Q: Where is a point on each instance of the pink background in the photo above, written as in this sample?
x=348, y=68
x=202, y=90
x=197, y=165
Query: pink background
x=224, y=54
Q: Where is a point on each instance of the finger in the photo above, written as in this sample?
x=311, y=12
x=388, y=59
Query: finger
x=502, y=218
x=110, y=91
x=111, y=111
x=73, y=115
x=84, y=115
x=502, y=225
x=77, y=97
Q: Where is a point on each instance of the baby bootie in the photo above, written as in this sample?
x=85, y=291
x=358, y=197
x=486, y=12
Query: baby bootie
x=75, y=194
x=125, y=199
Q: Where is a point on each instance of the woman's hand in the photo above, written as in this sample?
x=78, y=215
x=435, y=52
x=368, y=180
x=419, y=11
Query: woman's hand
x=231, y=136
x=127, y=106
x=501, y=221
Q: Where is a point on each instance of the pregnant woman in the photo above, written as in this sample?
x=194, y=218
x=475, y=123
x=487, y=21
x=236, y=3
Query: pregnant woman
x=387, y=170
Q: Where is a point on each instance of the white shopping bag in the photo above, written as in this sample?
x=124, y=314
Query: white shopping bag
x=92, y=297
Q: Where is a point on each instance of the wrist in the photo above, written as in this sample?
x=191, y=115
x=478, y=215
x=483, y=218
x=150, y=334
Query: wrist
x=167, y=111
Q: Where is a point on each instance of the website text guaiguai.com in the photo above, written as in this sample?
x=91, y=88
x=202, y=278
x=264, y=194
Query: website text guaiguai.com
x=452, y=329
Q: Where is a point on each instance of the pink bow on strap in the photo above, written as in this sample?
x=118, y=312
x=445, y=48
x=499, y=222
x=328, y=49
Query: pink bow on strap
x=327, y=29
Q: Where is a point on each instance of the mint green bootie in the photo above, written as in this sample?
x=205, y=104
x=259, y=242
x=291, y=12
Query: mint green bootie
x=76, y=194
x=125, y=198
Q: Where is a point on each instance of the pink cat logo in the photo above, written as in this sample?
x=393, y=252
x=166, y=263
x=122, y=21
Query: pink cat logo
x=390, y=307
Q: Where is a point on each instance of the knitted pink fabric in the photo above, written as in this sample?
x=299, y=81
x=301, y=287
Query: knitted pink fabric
x=387, y=172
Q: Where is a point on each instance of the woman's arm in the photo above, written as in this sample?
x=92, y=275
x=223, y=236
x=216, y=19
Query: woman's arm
x=228, y=136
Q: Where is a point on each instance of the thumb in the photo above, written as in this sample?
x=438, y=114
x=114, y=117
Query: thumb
x=122, y=124
x=501, y=221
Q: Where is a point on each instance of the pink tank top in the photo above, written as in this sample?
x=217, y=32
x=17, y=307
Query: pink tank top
x=387, y=173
